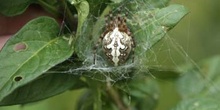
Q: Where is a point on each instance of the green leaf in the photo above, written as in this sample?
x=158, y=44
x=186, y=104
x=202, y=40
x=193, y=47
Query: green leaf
x=171, y=15
x=199, y=86
x=97, y=6
x=51, y=6
x=202, y=81
x=144, y=92
x=87, y=97
x=204, y=103
x=157, y=3
x=93, y=96
x=140, y=93
x=43, y=87
x=81, y=49
x=163, y=73
x=149, y=27
x=31, y=52
x=14, y=7
x=82, y=7
x=133, y=5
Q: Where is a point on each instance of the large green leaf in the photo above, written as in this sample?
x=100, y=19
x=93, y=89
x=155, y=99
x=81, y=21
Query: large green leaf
x=157, y=3
x=43, y=87
x=143, y=4
x=149, y=27
x=31, y=52
x=144, y=92
x=200, y=82
x=203, y=103
x=14, y=7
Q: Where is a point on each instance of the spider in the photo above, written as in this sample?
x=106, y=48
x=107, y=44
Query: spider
x=117, y=41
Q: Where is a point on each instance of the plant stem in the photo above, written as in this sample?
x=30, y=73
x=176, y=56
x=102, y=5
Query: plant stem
x=68, y=16
x=97, y=103
x=115, y=96
x=51, y=9
x=96, y=88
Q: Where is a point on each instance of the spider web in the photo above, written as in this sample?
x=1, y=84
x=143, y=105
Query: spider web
x=167, y=53
x=102, y=70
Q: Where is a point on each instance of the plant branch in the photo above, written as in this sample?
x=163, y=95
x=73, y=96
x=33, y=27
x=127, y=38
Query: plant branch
x=115, y=96
x=96, y=89
x=68, y=16
x=51, y=9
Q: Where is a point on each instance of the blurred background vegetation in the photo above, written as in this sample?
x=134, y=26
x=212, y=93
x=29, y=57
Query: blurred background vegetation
x=198, y=34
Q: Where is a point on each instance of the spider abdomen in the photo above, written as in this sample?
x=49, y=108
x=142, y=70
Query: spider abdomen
x=117, y=46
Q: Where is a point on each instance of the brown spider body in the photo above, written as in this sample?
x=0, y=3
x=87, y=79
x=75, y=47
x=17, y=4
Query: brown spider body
x=117, y=42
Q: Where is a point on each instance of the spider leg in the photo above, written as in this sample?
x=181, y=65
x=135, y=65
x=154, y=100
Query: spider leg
x=133, y=45
x=132, y=53
x=96, y=46
x=107, y=26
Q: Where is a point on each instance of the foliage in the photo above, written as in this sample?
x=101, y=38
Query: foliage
x=36, y=61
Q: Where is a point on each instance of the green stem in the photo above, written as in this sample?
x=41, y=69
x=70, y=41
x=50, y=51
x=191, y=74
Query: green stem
x=96, y=88
x=116, y=97
x=51, y=9
x=68, y=16
x=98, y=101
x=83, y=11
